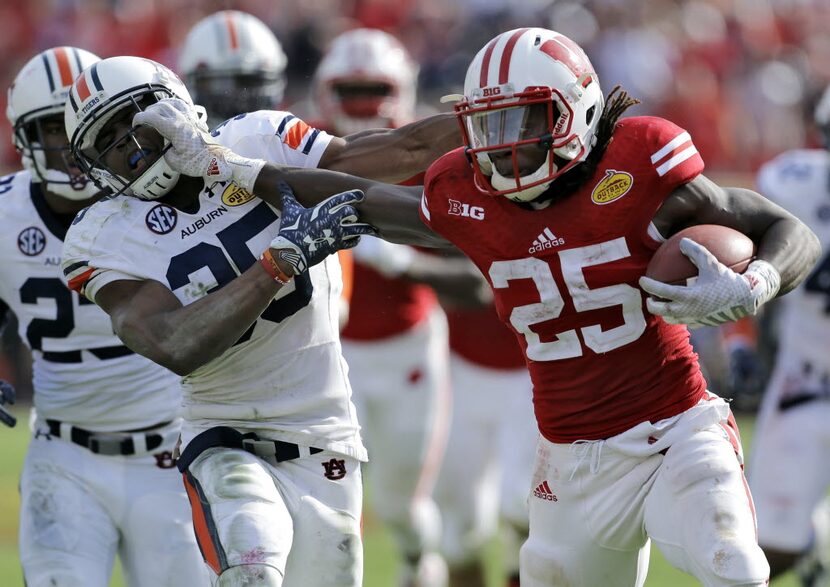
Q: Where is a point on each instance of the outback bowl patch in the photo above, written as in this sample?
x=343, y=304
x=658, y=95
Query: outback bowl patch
x=235, y=195
x=612, y=187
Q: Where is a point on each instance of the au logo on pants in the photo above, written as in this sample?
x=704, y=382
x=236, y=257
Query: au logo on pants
x=335, y=469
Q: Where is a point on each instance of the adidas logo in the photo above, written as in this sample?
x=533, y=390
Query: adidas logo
x=543, y=492
x=213, y=168
x=545, y=240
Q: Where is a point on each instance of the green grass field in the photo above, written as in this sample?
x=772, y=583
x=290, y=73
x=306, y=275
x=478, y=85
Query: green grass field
x=379, y=553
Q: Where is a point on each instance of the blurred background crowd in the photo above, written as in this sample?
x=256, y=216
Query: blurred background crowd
x=742, y=76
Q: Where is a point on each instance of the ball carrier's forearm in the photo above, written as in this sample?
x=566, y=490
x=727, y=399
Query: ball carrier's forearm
x=394, y=155
x=392, y=209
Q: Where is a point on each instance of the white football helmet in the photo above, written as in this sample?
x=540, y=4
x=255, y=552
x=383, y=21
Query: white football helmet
x=366, y=80
x=105, y=89
x=40, y=91
x=528, y=89
x=233, y=63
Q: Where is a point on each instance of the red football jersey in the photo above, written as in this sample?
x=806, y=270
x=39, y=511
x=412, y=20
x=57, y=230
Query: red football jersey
x=565, y=281
x=481, y=338
x=382, y=307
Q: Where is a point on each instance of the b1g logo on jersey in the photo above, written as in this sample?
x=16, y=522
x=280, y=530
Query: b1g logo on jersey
x=161, y=219
x=461, y=209
x=31, y=241
x=612, y=187
x=235, y=195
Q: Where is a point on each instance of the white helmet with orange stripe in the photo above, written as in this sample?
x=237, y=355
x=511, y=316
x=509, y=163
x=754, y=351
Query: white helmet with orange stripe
x=109, y=90
x=38, y=95
x=531, y=106
x=366, y=80
x=233, y=63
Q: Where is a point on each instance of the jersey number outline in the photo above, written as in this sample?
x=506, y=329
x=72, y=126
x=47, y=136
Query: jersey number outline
x=234, y=239
x=35, y=289
x=552, y=302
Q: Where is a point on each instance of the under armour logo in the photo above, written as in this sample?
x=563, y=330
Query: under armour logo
x=165, y=460
x=335, y=469
x=314, y=243
x=213, y=168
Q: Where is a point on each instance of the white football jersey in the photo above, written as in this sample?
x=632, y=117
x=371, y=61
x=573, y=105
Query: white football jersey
x=83, y=374
x=285, y=376
x=799, y=181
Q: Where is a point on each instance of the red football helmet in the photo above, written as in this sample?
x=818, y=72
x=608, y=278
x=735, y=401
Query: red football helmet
x=531, y=106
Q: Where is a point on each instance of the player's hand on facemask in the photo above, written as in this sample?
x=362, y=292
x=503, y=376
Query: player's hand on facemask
x=7, y=396
x=308, y=235
x=717, y=295
x=192, y=150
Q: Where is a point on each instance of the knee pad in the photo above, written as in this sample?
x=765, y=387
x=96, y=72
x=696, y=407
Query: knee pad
x=537, y=567
x=255, y=575
x=735, y=565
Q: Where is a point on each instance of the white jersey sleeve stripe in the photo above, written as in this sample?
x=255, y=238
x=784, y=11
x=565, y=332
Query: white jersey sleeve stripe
x=424, y=207
x=676, y=160
x=671, y=146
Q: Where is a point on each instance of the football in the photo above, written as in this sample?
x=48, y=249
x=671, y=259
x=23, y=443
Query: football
x=732, y=248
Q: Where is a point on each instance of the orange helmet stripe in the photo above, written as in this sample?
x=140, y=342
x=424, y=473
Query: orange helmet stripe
x=231, y=31
x=83, y=88
x=64, y=67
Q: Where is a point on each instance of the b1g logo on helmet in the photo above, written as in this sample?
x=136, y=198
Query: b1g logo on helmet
x=612, y=187
x=31, y=241
x=161, y=219
x=235, y=195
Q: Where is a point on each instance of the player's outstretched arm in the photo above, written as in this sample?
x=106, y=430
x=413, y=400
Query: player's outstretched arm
x=152, y=321
x=393, y=155
x=392, y=209
x=787, y=250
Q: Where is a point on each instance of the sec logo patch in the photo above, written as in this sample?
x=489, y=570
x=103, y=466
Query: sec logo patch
x=612, y=187
x=235, y=195
x=31, y=241
x=161, y=219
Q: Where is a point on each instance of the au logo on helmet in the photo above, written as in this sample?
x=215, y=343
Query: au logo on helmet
x=612, y=187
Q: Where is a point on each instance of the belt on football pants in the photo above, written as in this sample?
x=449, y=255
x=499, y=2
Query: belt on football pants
x=227, y=437
x=108, y=443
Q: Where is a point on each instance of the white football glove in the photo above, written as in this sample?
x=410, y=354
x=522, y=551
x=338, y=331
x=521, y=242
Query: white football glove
x=388, y=259
x=716, y=295
x=192, y=150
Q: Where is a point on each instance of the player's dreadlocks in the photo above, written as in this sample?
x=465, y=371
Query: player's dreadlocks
x=616, y=103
